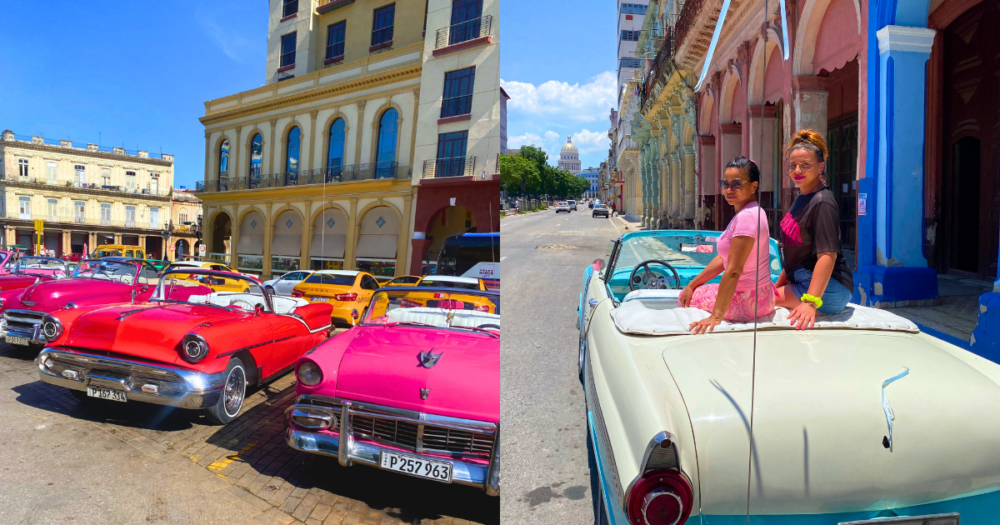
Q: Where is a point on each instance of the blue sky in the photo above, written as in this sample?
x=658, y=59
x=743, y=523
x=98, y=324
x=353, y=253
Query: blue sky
x=138, y=73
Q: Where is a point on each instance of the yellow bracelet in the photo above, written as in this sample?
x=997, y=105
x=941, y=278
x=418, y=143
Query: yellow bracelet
x=812, y=299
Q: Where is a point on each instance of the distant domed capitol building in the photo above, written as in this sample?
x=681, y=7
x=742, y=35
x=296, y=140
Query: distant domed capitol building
x=569, y=157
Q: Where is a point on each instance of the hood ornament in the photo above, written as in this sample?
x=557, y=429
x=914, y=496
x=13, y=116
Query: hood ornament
x=28, y=303
x=429, y=359
x=424, y=392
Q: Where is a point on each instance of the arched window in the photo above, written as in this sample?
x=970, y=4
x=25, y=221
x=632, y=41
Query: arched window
x=292, y=155
x=335, y=159
x=388, y=129
x=224, y=159
x=256, y=156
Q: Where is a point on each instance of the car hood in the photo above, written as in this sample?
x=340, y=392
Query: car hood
x=147, y=331
x=818, y=420
x=50, y=295
x=15, y=281
x=382, y=366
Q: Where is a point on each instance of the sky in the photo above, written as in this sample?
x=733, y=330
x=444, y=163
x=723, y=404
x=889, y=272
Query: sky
x=137, y=74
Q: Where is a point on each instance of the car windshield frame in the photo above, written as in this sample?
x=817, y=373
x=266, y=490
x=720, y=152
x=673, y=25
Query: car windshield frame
x=161, y=287
x=494, y=297
x=452, y=285
x=85, y=264
x=20, y=270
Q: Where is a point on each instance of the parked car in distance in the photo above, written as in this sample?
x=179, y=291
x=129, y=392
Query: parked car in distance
x=119, y=250
x=590, y=204
x=96, y=282
x=412, y=390
x=29, y=270
x=6, y=262
x=284, y=284
x=347, y=291
x=572, y=204
x=600, y=210
x=192, y=347
x=448, y=281
x=562, y=206
x=403, y=280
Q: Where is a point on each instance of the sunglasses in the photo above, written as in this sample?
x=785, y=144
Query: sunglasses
x=733, y=185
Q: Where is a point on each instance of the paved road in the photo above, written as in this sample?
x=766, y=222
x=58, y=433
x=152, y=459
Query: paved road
x=546, y=467
x=103, y=462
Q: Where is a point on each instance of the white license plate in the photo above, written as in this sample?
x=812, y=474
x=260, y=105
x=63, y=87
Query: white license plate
x=930, y=519
x=14, y=340
x=106, y=393
x=414, y=466
x=321, y=299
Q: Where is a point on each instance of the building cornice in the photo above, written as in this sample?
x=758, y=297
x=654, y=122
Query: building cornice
x=393, y=76
x=73, y=190
x=85, y=153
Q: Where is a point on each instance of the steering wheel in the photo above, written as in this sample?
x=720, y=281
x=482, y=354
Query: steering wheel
x=653, y=282
x=238, y=301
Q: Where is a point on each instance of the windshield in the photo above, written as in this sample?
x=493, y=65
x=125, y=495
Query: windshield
x=688, y=252
x=108, y=253
x=206, y=287
x=472, y=310
x=117, y=271
x=427, y=281
x=45, y=266
x=403, y=280
x=331, y=278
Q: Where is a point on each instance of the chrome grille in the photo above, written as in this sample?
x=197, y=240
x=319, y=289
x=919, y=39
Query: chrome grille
x=388, y=430
x=23, y=320
x=457, y=441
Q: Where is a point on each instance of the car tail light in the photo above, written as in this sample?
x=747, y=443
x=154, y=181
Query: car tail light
x=297, y=293
x=408, y=304
x=346, y=297
x=440, y=295
x=660, y=497
x=483, y=308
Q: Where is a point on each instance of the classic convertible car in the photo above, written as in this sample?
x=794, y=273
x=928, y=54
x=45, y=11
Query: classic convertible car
x=189, y=346
x=411, y=389
x=861, y=419
x=32, y=270
x=95, y=282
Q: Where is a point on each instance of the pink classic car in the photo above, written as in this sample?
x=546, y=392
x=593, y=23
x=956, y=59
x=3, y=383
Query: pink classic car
x=30, y=270
x=412, y=389
x=95, y=282
x=5, y=262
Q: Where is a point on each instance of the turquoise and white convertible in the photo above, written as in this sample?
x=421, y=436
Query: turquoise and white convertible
x=861, y=420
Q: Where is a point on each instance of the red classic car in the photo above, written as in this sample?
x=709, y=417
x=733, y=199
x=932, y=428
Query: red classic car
x=30, y=270
x=188, y=346
x=412, y=389
x=94, y=283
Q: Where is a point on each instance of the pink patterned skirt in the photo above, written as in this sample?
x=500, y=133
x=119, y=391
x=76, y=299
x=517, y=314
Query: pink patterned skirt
x=742, y=308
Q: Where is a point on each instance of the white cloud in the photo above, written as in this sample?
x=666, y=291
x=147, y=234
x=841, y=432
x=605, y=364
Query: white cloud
x=551, y=135
x=555, y=99
x=591, y=141
x=235, y=46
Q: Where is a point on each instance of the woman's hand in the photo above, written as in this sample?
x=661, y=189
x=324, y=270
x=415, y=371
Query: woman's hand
x=803, y=316
x=685, y=299
x=707, y=324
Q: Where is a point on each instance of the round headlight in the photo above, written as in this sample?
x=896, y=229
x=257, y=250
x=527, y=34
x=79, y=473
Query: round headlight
x=51, y=328
x=194, y=348
x=309, y=373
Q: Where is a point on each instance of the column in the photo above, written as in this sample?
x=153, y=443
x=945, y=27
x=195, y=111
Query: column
x=307, y=225
x=275, y=139
x=405, y=229
x=118, y=238
x=707, y=177
x=91, y=243
x=809, y=97
x=234, y=239
x=353, y=226
x=897, y=273
x=208, y=158
x=268, y=239
x=142, y=243
x=688, y=187
x=675, y=187
x=67, y=242
x=312, y=139
x=358, y=135
x=763, y=123
x=234, y=160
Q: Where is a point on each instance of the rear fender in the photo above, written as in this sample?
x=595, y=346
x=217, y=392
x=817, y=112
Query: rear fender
x=316, y=315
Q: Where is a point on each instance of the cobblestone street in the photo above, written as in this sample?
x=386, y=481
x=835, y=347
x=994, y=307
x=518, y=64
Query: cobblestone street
x=201, y=473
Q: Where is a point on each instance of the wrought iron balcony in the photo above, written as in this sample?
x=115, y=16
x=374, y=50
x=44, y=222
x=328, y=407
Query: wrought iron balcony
x=72, y=186
x=337, y=175
x=450, y=167
x=455, y=106
x=659, y=67
x=464, y=32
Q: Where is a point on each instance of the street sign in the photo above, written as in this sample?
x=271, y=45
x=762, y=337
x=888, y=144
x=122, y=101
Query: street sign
x=862, y=203
x=172, y=247
x=202, y=250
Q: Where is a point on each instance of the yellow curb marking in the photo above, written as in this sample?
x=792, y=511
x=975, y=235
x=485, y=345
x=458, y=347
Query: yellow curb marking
x=218, y=466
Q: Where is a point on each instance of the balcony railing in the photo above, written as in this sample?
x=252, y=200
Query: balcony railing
x=659, y=65
x=464, y=31
x=357, y=172
x=89, y=147
x=71, y=185
x=451, y=167
x=72, y=218
x=455, y=106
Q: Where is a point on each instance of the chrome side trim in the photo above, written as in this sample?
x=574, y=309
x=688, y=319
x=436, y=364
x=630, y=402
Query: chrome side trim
x=303, y=321
x=493, y=474
x=344, y=445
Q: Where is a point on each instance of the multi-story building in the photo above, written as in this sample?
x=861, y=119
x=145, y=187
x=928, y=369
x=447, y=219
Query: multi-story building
x=185, y=221
x=461, y=129
x=85, y=194
x=569, y=157
x=630, y=17
x=593, y=177
x=318, y=168
x=627, y=154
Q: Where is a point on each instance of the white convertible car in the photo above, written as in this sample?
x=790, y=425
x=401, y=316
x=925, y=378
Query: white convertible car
x=861, y=420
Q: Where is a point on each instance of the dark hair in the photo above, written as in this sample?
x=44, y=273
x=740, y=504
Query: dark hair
x=746, y=166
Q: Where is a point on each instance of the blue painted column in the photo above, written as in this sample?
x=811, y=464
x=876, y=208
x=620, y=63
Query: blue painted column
x=897, y=272
x=986, y=337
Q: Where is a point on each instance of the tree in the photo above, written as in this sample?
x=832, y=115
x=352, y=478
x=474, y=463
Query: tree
x=518, y=174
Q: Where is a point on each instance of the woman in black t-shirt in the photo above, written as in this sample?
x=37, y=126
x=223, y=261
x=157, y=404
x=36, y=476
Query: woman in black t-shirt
x=815, y=278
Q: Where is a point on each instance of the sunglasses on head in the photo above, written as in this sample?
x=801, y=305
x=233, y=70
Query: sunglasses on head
x=733, y=185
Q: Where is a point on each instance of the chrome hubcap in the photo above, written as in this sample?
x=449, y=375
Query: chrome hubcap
x=235, y=388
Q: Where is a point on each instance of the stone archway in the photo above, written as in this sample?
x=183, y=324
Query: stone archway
x=378, y=241
x=222, y=231
x=250, y=248
x=452, y=220
x=286, y=242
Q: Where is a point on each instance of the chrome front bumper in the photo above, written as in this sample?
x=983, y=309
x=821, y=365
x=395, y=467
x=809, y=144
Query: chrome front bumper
x=35, y=336
x=159, y=384
x=486, y=477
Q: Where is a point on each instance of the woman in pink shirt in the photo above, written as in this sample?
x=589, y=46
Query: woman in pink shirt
x=745, y=291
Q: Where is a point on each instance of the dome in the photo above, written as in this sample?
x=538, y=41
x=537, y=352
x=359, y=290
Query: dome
x=569, y=147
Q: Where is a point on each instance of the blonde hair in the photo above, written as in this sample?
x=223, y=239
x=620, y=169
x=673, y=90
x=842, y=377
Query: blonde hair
x=811, y=140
